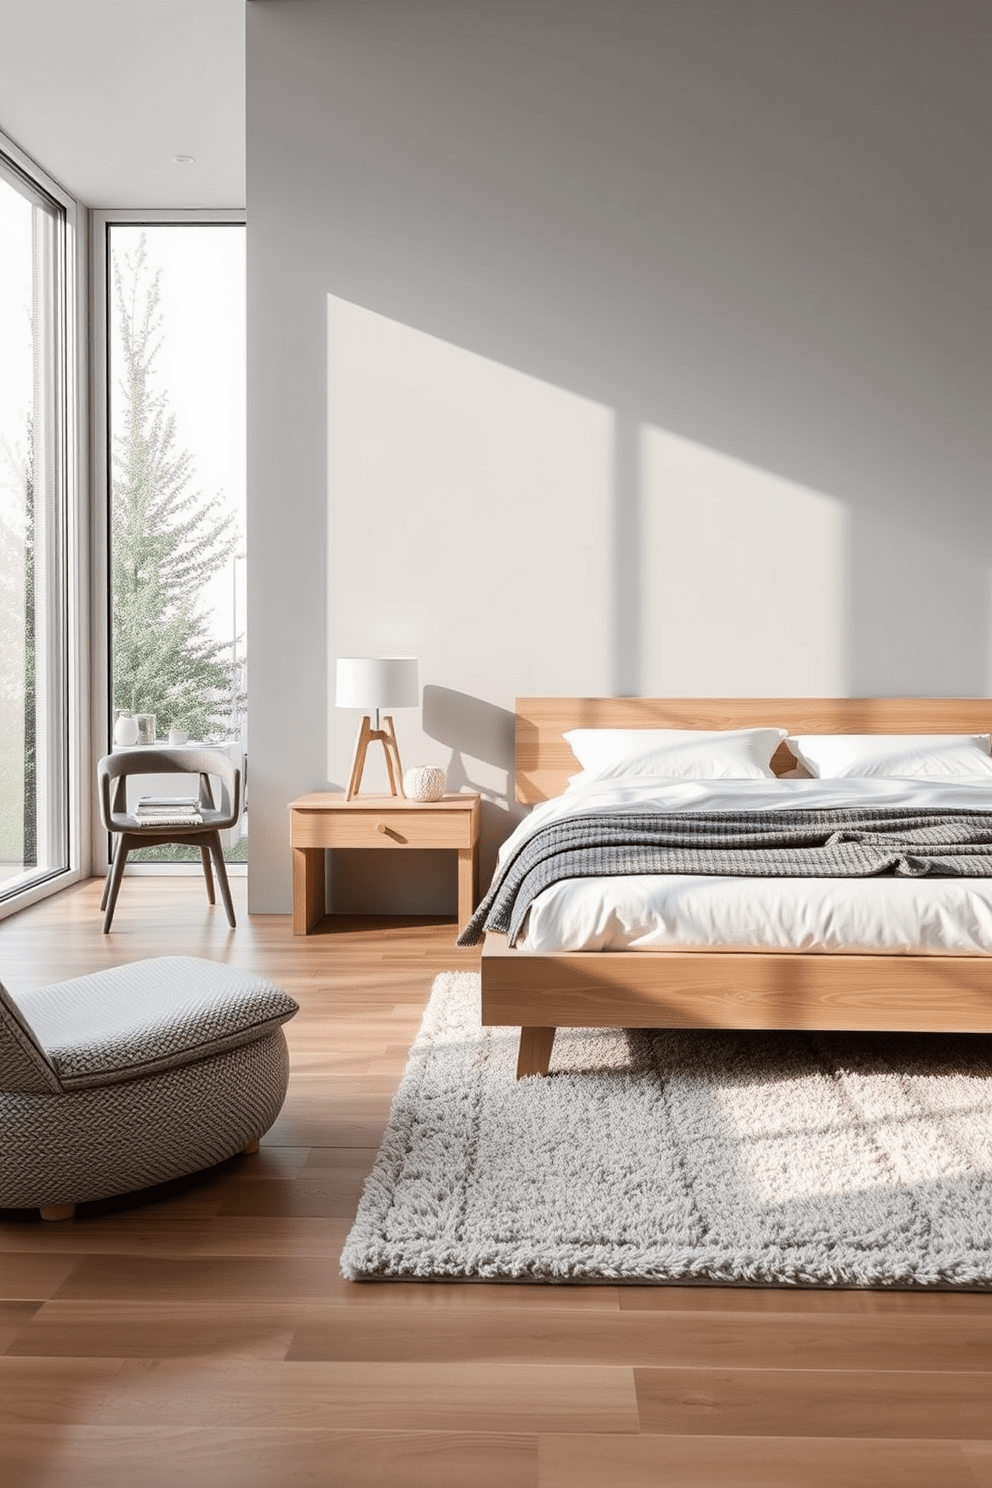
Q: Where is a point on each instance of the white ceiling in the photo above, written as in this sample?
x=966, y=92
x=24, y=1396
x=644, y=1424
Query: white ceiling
x=103, y=93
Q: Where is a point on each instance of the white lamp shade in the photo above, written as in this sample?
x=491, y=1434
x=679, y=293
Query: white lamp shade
x=377, y=682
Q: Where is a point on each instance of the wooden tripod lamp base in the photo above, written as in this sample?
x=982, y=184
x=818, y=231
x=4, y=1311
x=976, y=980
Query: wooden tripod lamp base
x=386, y=736
x=371, y=683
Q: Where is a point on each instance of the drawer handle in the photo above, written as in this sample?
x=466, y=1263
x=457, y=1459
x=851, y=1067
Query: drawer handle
x=388, y=831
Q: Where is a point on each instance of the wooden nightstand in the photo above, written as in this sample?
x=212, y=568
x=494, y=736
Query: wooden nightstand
x=325, y=819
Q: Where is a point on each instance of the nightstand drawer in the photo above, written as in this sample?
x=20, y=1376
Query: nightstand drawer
x=384, y=829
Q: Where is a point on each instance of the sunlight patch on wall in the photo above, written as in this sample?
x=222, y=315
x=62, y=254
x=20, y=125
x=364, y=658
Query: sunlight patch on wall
x=469, y=519
x=746, y=578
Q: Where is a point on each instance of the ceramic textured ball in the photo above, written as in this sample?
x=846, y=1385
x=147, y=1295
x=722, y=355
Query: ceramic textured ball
x=424, y=783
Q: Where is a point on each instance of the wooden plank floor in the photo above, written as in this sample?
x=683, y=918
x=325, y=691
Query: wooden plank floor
x=206, y=1338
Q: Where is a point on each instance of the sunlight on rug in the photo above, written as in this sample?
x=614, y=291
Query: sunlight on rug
x=799, y=1159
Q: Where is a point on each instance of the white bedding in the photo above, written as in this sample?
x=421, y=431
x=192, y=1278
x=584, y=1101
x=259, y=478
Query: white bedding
x=946, y=916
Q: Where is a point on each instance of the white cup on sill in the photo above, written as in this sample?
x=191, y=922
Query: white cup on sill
x=177, y=737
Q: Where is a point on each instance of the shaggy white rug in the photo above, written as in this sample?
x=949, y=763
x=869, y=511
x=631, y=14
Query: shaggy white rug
x=682, y=1156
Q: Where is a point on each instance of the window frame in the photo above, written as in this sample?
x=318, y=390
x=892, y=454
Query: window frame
x=73, y=464
x=101, y=707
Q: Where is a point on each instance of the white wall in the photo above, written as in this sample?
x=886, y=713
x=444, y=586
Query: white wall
x=607, y=345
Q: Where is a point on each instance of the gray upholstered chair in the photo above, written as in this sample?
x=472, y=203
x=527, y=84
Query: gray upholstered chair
x=129, y=1077
x=112, y=775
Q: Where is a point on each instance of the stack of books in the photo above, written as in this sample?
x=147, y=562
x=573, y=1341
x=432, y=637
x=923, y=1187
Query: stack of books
x=168, y=811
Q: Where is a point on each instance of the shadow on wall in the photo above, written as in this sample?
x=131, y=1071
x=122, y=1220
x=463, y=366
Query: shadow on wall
x=627, y=558
x=474, y=729
x=469, y=726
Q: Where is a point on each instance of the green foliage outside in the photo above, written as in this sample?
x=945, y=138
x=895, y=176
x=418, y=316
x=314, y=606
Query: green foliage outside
x=174, y=852
x=167, y=541
x=18, y=701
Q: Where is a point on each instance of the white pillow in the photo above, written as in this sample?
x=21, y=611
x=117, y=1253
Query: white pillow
x=916, y=756
x=674, y=754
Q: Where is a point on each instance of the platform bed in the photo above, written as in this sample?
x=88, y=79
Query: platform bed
x=732, y=988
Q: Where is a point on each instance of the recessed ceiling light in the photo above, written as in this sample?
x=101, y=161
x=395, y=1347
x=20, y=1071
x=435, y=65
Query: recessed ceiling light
x=184, y=159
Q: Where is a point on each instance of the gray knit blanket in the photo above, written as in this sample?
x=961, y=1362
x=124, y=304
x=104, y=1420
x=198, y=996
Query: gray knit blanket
x=836, y=842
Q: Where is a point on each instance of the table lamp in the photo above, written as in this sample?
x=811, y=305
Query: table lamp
x=374, y=683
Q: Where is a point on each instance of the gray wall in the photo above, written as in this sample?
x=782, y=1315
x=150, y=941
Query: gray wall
x=607, y=345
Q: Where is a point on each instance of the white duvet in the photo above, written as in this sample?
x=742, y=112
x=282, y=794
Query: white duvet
x=949, y=916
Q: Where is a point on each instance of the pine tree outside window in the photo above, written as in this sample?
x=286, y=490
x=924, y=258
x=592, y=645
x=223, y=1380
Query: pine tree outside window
x=175, y=298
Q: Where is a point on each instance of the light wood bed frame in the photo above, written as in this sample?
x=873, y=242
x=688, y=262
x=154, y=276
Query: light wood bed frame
x=544, y=991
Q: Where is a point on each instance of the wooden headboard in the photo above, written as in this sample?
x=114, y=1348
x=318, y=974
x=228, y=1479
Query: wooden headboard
x=544, y=761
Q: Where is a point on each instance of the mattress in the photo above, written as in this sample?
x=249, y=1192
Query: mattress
x=884, y=915
x=694, y=912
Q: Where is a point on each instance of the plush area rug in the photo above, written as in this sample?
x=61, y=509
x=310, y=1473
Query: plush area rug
x=682, y=1156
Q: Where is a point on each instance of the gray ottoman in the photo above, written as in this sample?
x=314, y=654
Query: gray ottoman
x=129, y=1077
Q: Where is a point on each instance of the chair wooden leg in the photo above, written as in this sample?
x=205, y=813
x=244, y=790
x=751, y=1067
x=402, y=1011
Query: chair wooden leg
x=217, y=852
x=251, y=1146
x=57, y=1211
x=106, y=887
x=205, y=860
x=114, y=883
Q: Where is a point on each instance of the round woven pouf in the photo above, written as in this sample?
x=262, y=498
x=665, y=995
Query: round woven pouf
x=424, y=783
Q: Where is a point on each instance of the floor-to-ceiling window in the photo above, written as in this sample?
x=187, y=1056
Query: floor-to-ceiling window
x=34, y=680
x=175, y=294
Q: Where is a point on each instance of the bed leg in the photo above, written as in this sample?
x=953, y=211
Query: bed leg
x=535, y=1051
